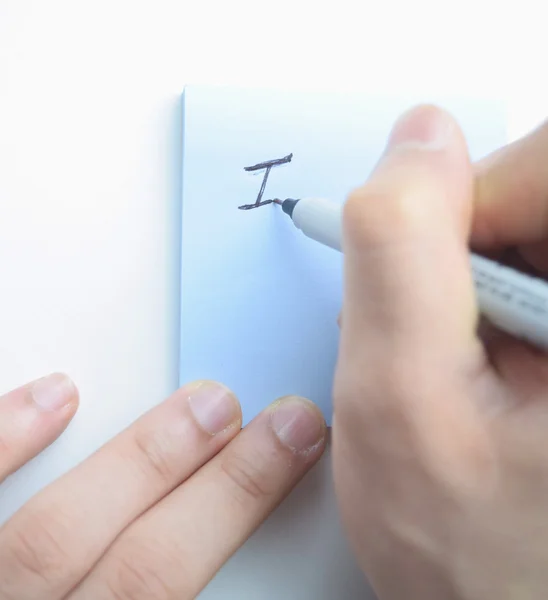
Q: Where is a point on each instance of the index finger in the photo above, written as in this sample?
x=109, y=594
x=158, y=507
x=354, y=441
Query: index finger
x=50, y=544
x=511, y=194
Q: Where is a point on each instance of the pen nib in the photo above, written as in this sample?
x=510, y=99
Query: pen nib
x=262, y=203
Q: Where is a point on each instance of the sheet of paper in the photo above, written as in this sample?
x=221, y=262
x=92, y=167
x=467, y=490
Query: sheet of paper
x=259, y=300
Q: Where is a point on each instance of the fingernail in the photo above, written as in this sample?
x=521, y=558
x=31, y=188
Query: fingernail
x=53, y=392
x=298, y=424
x=424, y=128
x=214, y=407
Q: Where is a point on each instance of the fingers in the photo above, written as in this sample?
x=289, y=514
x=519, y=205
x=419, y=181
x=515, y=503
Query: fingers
x=536, y=255
x=53, y=541
x=175, y=548
x=32, y=417
x=512, y=194
x=408, y=287
x=511, y=220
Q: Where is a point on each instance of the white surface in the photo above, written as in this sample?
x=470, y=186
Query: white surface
x=89, y=195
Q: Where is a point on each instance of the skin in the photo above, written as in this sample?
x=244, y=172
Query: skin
x=156, y=511
x=439, y=434
x=440, y=458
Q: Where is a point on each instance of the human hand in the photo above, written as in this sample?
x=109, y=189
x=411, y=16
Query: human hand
x=156, y=511
x=439, y=435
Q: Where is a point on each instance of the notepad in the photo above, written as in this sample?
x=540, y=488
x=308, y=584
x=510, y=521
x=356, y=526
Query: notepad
x=259, y=301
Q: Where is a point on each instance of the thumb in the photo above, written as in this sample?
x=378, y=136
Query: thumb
x=409, y=292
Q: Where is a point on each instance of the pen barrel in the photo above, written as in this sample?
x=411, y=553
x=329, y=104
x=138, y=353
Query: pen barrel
x=512, y=301
x=319, y=219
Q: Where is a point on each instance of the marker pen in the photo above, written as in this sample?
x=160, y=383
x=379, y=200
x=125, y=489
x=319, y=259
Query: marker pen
x=514, y=302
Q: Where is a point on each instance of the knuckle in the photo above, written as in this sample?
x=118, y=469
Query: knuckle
x=248, y=477
x=7, y=455
x=388, y=211
x=134, y=576
x=366, y=215
x=35, y=549
x=354, y=212
x=151, y=453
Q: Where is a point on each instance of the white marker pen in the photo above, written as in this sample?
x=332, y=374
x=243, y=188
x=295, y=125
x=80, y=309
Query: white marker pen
x=513, y=301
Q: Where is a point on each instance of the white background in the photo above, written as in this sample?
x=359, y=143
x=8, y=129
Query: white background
x=89, y=197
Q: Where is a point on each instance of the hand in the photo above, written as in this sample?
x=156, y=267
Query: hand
x=157, y=511
x=439, y=437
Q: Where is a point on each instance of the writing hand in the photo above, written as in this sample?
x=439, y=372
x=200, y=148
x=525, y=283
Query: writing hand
x=439, y=434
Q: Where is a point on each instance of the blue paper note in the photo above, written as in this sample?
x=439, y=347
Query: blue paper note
x=259, y=300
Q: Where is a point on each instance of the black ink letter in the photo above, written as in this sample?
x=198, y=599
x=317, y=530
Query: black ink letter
x=268, y=166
